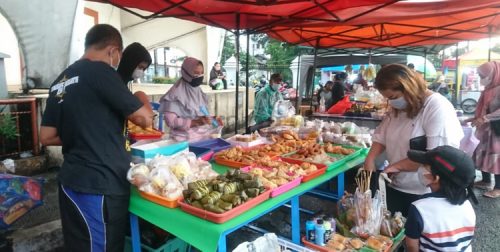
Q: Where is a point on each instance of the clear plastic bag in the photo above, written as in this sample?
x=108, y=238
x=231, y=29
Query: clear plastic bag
x=283, y=109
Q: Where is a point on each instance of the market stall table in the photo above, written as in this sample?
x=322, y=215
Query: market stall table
x=368, y=122
x=209, y=236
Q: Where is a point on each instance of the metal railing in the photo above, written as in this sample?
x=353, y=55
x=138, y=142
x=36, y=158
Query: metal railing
x=24, y=113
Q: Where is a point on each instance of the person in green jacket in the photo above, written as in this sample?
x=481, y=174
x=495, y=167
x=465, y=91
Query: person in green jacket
x=264, y=102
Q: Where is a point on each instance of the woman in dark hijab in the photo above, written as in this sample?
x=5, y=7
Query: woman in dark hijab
x=135, y=60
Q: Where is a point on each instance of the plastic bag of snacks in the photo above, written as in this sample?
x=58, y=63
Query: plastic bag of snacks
x=163, y=183
x=185, y=166
x=18, y=195
x=283, y=109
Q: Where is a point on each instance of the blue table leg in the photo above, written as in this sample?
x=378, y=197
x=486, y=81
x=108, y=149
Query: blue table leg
x=222, y=247
x=340, y=185
x=134, y=230
x=295, y=213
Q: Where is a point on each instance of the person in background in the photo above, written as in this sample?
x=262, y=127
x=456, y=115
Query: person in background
x=135, y=60
x=339, y=87
x=360, y=80
x=341, y=77
x=411, y=66
x=86, y=113
x=486, y=155
x=443, y=220
x=419, y=118
x=325, y=92
x=185, y=104
x=217, y=77
x=440, y=86
x=264, y=103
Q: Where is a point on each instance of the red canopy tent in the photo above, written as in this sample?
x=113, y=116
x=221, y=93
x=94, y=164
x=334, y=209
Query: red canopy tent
x=251, y=14
x=428, y=30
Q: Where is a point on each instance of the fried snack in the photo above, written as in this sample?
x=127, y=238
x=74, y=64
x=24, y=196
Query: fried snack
x=337, y=246
x=375, y=244
x=246, y=156
x=338, y=238
x=337, y=149
x=135, y=129
x=356, y=243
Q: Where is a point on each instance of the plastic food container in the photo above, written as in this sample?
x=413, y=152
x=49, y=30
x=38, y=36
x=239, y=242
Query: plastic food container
x=201, y=153
x=215, y=145
x=223, y=217
x=246, y=144
x=280, y=189
x=159, y=200
x=144, y=151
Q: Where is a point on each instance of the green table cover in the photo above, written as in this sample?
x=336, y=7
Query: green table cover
x=204, y=234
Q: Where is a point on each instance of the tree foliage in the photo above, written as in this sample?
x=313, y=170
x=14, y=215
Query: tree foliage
x=229, y=47
x=282, y=55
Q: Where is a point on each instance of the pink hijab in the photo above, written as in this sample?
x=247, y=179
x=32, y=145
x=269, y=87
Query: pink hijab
x=488, y=69
x=183, y=99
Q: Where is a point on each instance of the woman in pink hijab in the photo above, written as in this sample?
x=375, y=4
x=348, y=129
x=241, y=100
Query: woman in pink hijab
x=487, y=153
x=184, y=105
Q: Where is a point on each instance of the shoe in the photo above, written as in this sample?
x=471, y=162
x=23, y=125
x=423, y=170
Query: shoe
x=483, y=185
x=493, y=194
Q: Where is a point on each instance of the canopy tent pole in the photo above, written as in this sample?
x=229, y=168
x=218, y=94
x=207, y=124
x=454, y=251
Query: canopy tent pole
x=247, y=83
x=314, y=72
x=425, y=63
x=237, y=72
x=457, y=85
x=489, y=43
x=297, y=108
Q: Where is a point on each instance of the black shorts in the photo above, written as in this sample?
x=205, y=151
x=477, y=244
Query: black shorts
x=93, y=222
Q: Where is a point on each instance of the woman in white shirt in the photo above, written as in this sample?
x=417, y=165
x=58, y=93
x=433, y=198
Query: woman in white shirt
x=419, y=114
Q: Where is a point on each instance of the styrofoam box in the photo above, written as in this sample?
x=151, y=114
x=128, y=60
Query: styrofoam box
x=144, y=151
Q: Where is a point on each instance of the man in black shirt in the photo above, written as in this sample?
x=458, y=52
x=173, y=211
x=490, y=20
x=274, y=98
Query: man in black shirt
x=86, y=112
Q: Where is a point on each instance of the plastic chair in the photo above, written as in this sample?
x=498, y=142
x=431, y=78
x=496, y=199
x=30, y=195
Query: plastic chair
x=155, y=107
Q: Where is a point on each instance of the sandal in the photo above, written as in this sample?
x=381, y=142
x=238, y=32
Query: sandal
x=483, y=185
x=493, y=194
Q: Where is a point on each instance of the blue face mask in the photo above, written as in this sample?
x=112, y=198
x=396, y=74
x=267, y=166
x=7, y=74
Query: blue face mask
x=399, y=103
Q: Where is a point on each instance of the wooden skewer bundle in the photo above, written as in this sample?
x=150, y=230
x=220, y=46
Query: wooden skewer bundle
x=363, y=180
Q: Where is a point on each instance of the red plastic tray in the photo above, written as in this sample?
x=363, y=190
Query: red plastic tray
x=138, y=136
x=320, y=171
x=280, y=189
x=326, y=249
x=221, y=218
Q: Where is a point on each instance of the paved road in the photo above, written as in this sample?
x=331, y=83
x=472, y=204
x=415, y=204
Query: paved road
x=486, y=238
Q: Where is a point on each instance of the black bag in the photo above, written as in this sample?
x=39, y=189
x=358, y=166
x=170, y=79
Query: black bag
x=418, y=143
x=495, y=127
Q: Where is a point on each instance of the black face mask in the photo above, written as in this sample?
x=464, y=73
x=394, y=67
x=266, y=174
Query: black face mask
x=196, y=81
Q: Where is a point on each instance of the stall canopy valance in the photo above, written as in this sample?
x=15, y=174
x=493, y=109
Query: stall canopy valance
x=392, y=30
x=252, y=14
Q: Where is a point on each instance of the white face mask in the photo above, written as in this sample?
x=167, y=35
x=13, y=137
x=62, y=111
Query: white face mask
x=111, y=61
x=137, y=74
x=421, y=176
x=399, y=103
x=276, y=87
x=485, y=81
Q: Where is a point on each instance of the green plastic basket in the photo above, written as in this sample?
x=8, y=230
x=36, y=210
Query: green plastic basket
x=341, y=159
x=172, y=245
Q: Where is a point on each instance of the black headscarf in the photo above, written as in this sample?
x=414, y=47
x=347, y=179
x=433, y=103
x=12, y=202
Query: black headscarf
x=132, y=56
